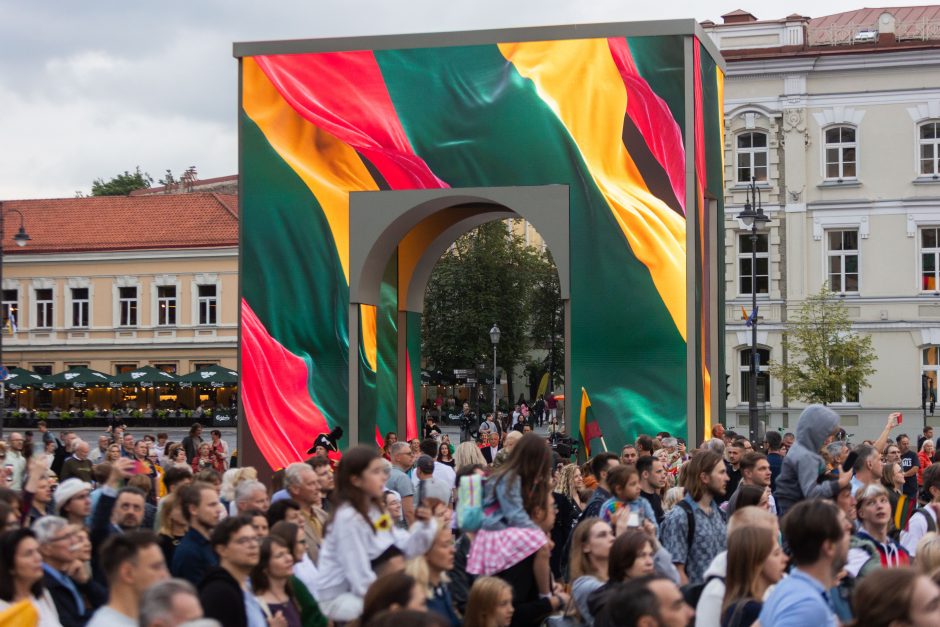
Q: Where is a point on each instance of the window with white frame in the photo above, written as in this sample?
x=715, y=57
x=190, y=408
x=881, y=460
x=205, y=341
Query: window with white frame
x=931, y=368
x=44, y=310
x=80, y=306
x=207, y=297
x=166, y=305
x=843, y=261
x=752, y=156
x=763, y=375
x=930, y=259
x=762, y=274
x=841, y=152
x=11, y=309
x=127, y=306
x=929, y=149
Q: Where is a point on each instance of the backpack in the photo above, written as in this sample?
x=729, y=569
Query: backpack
x=931, y=523
x=470, y=503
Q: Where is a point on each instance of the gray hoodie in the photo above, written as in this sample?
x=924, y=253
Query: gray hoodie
x=803, y=466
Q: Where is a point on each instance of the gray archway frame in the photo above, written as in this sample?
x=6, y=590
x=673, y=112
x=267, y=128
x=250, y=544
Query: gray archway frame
x=385, y=218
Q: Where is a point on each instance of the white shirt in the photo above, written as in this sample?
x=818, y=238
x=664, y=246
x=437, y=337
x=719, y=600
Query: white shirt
x=442, y=472
x=916, y=528
x=48, y=615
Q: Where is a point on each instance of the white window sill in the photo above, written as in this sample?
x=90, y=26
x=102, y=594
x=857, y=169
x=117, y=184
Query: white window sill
x=933, y=179
x=830, y=183
x=740, y=187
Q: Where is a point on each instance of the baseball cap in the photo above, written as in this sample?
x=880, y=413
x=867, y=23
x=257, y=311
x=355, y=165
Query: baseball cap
x=69, y=489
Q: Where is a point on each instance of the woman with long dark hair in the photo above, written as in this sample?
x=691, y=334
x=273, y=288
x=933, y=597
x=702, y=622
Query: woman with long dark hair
x=362, y=530
x=21, y=576
x=270, y=581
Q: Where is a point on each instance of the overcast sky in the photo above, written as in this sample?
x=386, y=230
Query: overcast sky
x=92, y=88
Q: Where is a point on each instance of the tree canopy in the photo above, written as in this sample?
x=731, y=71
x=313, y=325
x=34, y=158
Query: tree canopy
x=826, y=361
x=490, y=276
x=122, y=184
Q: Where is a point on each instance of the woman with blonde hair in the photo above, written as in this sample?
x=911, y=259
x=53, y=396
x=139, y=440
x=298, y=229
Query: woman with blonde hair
x=467, y=454
x=755, y=562
x=587, y=570
x=569, y=483
x=171, y=525
x=489, y=604
x=928, y=554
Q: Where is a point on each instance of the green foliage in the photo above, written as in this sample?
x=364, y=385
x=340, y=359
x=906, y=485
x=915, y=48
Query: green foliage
x=826, y=360
x=122, y=184
x=491, y=276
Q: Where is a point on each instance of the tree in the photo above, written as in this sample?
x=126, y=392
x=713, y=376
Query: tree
x=488, y=276
x=122, y=184
x=827, y=360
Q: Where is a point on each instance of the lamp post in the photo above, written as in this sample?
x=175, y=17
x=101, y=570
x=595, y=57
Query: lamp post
x=753, y=218
x=20, y=238
x=494, y=338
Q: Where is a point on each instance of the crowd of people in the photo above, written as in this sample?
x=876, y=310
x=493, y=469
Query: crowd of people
x=499, y=530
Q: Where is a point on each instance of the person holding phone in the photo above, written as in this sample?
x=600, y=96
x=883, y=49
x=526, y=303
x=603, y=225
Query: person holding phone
x=867, y=465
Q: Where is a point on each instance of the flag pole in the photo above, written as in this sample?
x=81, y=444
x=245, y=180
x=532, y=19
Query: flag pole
x=604, y=444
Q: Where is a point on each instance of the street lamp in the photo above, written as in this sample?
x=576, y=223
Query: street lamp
x=494, y=338
x=20, y=238
x=753, y=218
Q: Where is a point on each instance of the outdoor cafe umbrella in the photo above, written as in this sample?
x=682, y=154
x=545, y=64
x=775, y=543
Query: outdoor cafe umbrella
x=77, y=378
x=214, y=376
x=145, y=377
x=20, y=378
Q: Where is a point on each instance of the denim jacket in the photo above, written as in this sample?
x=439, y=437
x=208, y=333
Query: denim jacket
x=502, y=505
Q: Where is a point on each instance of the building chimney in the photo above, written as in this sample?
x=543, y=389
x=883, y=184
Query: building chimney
x=738, y=16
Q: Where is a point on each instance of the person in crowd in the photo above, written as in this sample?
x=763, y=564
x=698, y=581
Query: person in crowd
x=287, y=510
x=304, y=573
x=652, y=475
x=442, y=472
x=258, y=520
x=755, y=472
x=251, y=496
x=756, y=562
x=171, y=525
x=901, y=506
x=397, y=591
x=468, y=454
x=16, y=459
x=398, y=479
x=66, y=577
x=872, y=548
x=324, y=471
x=928, y=554
x=590, y=550
x=132, y=562
x=206, y=458
x=773, y=445
x=176, y=458
x=926, y=435
x=393, y=505
x=145, y=485
x=113, y=454
x=569, y=483
x=170, y=603
x=508, y=534
x=694, y=531
x=223, y=591
x=924, y=519
x=491, y=447
x=37, y=491
x=77, y=465
x=671, y=498
x=624, y=484
x=868, y=467
x=896, y=596
x=601, y=465
x=444, y=456
x=733, y=454
x=119, y=510
x=708, y=610
x=194, y=556
x=220, y=448
x=628, y=454
x=360, y=531
x=646, y=602
x=73, y=500
x=801, y=471
x=270, y=581
x=818, y=534
x=303, y=486
x=430, y=570
x=910, y=464
x=23, y=576
x=489, y=604
x=127, y=446
x=192, y=441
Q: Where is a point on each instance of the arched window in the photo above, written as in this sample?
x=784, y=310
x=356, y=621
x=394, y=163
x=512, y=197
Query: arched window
x=841, y=152
x=763, y=374
x=929, y=152
x=751, y=156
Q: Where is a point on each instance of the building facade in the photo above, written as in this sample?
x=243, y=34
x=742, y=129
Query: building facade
x=838, y=121
x=115, y=283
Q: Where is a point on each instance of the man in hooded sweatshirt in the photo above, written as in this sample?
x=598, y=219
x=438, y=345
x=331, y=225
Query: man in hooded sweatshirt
x=801, y=476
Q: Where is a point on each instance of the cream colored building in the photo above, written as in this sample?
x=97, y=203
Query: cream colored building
x=838, y=118
x=114, y=283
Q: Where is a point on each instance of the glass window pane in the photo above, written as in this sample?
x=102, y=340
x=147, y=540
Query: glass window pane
x=930, y=355
x=848, y=134
x=848, y=155
x=851, y=264
x=851, y=282
x=832, y=136
x=851, y=240
x=762, y=242
x=928, y=238
x=760, y=159
x=835, y=240
x=759, y=140
x=835, y=264
x=744, y=243
x=832, y=171
x=762, y=266
x=744, y=140
x=746, y=283
x=930, y=262
x=848, y=170
x=760, y=173
x=832, y=155
x=746, y=266
x=926, y=151
x=762, y=284
x=929, y=131
x=835, y=282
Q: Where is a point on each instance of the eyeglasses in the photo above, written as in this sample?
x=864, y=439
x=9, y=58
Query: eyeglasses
x=67, y=536
x=248, y=540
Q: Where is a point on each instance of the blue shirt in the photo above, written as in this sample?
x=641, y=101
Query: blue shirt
x=710, y=538
x=798, y=601
x=193, y=557
x=66, y=581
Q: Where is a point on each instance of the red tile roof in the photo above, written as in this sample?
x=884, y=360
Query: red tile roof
x=201, y=185
x=100, y=223
x=868, y=17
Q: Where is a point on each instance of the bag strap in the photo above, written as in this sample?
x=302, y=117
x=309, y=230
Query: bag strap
x=690, y=516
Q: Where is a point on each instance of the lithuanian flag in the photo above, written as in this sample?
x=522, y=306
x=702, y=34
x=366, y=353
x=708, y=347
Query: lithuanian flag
x=589, y=427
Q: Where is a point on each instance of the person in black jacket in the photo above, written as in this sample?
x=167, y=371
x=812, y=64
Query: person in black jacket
x=119, y=510
x=132, y=562
x=223, y=590
x=66, y=578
